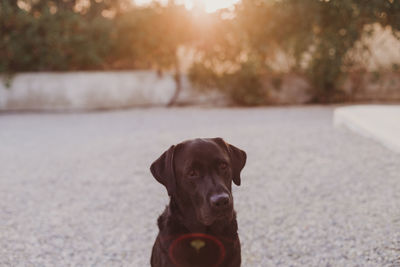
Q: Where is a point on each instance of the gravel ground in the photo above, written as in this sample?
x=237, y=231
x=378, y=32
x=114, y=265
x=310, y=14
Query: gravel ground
x=75, y=189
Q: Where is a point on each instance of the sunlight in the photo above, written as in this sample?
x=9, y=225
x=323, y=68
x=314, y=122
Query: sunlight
x=207, y=5
x=210, y=5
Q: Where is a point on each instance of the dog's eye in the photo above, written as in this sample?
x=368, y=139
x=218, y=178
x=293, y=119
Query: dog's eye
x=223, y=166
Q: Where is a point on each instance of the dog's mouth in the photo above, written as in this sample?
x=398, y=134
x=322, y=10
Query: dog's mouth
x=227, y=215
x=210, y=217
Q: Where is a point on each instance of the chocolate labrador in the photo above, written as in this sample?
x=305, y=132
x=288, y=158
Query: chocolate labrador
x=198, y=227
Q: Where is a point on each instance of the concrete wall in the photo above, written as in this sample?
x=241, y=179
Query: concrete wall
x=74, y=91
x=85, y=90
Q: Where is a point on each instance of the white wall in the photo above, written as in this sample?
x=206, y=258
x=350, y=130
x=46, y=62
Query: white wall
x=75, y=91
x=85, y=90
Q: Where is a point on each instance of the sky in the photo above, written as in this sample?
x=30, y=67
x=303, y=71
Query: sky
x=209, y=5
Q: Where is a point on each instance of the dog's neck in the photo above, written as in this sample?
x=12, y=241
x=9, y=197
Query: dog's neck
x=177, y=220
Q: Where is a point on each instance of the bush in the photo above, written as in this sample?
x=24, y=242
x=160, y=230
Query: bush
x=233, y=49
x=244, y=86
x=53, y=35
x=47, y=41
x=315, y=35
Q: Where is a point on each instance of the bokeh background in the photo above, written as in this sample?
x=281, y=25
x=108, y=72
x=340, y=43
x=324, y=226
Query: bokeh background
x=93, y=91
x=254, y=52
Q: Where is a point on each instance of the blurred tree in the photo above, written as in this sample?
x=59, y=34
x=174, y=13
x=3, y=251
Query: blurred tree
x=94, y=34
x=150, y=38
x=50, y=35
x=334, y=29
x=316, y=34
x=234, y=49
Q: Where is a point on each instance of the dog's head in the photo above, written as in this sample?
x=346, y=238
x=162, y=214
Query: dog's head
x=198, y=174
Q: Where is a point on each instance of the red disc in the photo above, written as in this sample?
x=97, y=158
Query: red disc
x=196, y=249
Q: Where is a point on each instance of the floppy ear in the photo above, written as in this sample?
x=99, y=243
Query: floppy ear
x=238, y=159
x=163, y=170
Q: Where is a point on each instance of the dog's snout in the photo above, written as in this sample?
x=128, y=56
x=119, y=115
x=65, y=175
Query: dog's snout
x=220, y=201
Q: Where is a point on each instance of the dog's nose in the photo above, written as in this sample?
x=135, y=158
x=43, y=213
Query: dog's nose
x=220, y=201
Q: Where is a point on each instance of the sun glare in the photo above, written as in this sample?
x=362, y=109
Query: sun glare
x=208, y=6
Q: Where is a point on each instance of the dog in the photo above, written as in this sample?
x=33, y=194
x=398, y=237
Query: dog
x=198, y=227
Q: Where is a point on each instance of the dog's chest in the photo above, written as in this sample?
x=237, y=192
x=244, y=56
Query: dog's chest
x=199, y=249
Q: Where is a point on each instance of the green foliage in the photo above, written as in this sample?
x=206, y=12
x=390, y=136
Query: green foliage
x=316, y=34
x=336, y=27
x=150, y=36
x=243, y=86
x=233, y=49
x=44, y=39
x=55, y=35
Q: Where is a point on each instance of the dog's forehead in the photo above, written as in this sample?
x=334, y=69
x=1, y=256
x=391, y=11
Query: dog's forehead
x=202, y=148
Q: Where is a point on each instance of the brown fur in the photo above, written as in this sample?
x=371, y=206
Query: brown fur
x=198, y=175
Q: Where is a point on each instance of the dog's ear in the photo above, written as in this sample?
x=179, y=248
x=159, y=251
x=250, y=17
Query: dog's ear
x=238, y=158
x=163, y=170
